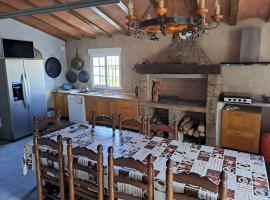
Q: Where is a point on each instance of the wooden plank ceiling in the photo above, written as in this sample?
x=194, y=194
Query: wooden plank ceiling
x=110, y=19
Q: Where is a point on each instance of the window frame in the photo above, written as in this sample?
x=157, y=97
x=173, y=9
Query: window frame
x=105, y=52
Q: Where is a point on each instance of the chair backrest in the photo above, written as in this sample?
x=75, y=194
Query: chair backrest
x=103, y=120
x=96, y=171
x=146, y=183
x=131, y=124
x=196, y=180
x=159, y=129
x=48, y=124
x=54, y=154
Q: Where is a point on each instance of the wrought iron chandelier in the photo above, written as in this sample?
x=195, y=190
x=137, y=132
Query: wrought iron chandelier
x=188, y=27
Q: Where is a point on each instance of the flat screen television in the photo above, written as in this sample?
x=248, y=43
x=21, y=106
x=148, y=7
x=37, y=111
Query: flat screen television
x=17, y=49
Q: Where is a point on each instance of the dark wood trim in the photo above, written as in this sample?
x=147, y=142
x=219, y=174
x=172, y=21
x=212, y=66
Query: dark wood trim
x=33, y=5
x=177, y=69
x=233, y=12
x=105, y=17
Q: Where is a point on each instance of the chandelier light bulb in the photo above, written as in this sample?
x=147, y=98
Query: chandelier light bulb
x=130, y=8
x=217, y=6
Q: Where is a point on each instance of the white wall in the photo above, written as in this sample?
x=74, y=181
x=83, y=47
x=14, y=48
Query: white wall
x=46, y=44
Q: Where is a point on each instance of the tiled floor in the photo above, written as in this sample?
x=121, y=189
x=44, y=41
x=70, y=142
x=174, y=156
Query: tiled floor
x=13, y=185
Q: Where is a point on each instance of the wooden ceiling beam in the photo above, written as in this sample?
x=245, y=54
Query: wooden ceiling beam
x=123, y=7
x=52, y=30
x=192, y=4
x=85, y=20
x=234, y=8
x=28, y=3
x=154, y=3
x=55, y=8
x=108, y=19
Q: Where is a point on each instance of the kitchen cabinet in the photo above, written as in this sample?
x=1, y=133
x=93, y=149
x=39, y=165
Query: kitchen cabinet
x=127, y=108
x=241, y=129
x=108, y=106
x=61, y=103
x=98, y=104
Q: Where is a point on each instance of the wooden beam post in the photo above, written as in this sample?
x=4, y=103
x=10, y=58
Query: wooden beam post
x=123, y=7
x=234, y=12
x=42, y=22
x=192, y=4
x=27, y=2
x=85, y=20
x=55, y=8
x=108, y=19
x=154, y=3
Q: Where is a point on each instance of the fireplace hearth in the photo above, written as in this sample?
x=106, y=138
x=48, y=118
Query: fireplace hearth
x=185, y=88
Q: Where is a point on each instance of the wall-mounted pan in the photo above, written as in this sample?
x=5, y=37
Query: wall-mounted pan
x=83, y=76
x=71, y=76
x=77, y=63
x=53, y=67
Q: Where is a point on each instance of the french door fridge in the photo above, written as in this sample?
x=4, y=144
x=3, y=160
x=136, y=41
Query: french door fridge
x=22, y=96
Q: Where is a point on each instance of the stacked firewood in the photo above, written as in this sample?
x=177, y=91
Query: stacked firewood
x=192, y=127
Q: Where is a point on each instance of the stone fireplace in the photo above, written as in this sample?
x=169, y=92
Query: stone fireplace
x=186, y=88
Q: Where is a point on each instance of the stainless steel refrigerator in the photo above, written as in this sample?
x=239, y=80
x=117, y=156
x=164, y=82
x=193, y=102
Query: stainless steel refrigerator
x=22, y=96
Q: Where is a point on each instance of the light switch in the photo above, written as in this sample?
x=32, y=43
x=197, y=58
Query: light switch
x=0, y=122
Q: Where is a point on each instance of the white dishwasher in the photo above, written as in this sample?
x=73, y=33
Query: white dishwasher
x=76, y=108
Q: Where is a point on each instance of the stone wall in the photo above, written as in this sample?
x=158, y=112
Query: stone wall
x=146, y=108
x=213, y=92
x=182, y=51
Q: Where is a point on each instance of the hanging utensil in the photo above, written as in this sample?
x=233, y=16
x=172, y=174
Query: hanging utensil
x=77, y=63
x=53, y=67
x=71, y=76
x=83, y=76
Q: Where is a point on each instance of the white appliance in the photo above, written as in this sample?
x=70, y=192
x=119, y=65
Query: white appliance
x=22, y=96
x=76, y=108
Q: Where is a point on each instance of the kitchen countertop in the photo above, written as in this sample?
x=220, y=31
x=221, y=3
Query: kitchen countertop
x=115, y=95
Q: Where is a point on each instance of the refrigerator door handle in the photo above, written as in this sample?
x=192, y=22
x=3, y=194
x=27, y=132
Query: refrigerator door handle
x=28, y=90
x=24, y=90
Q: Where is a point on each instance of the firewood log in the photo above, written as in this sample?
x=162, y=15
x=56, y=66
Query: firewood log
x=201, y=126
x=196, y=134
x=191, y=131
x=202, y=134
x=188, y=125
x=185, y=120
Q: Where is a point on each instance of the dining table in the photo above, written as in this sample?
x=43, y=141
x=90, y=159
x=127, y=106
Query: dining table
x=247, y=174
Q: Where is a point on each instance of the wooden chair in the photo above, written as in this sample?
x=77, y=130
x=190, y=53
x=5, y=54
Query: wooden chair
x=47, y=125
x=80, y=187
x=131, y=124
x=103, y=120
x=195, y=180
x=146, y=183
x=49, y=173
x=159, y=129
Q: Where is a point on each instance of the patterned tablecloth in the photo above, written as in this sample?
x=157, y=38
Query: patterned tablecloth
x=247, y=176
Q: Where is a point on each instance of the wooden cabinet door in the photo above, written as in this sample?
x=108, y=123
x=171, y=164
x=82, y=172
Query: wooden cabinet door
x=64, y=106
x=127, y=108
x=61, y=104
x=241, y=130
x=98, y=104
x=58, y=104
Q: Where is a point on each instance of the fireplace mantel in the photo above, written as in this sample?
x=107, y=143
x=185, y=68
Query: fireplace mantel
x=157, y=68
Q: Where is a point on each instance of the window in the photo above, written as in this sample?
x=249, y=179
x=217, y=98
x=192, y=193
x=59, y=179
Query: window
x=106, y=69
